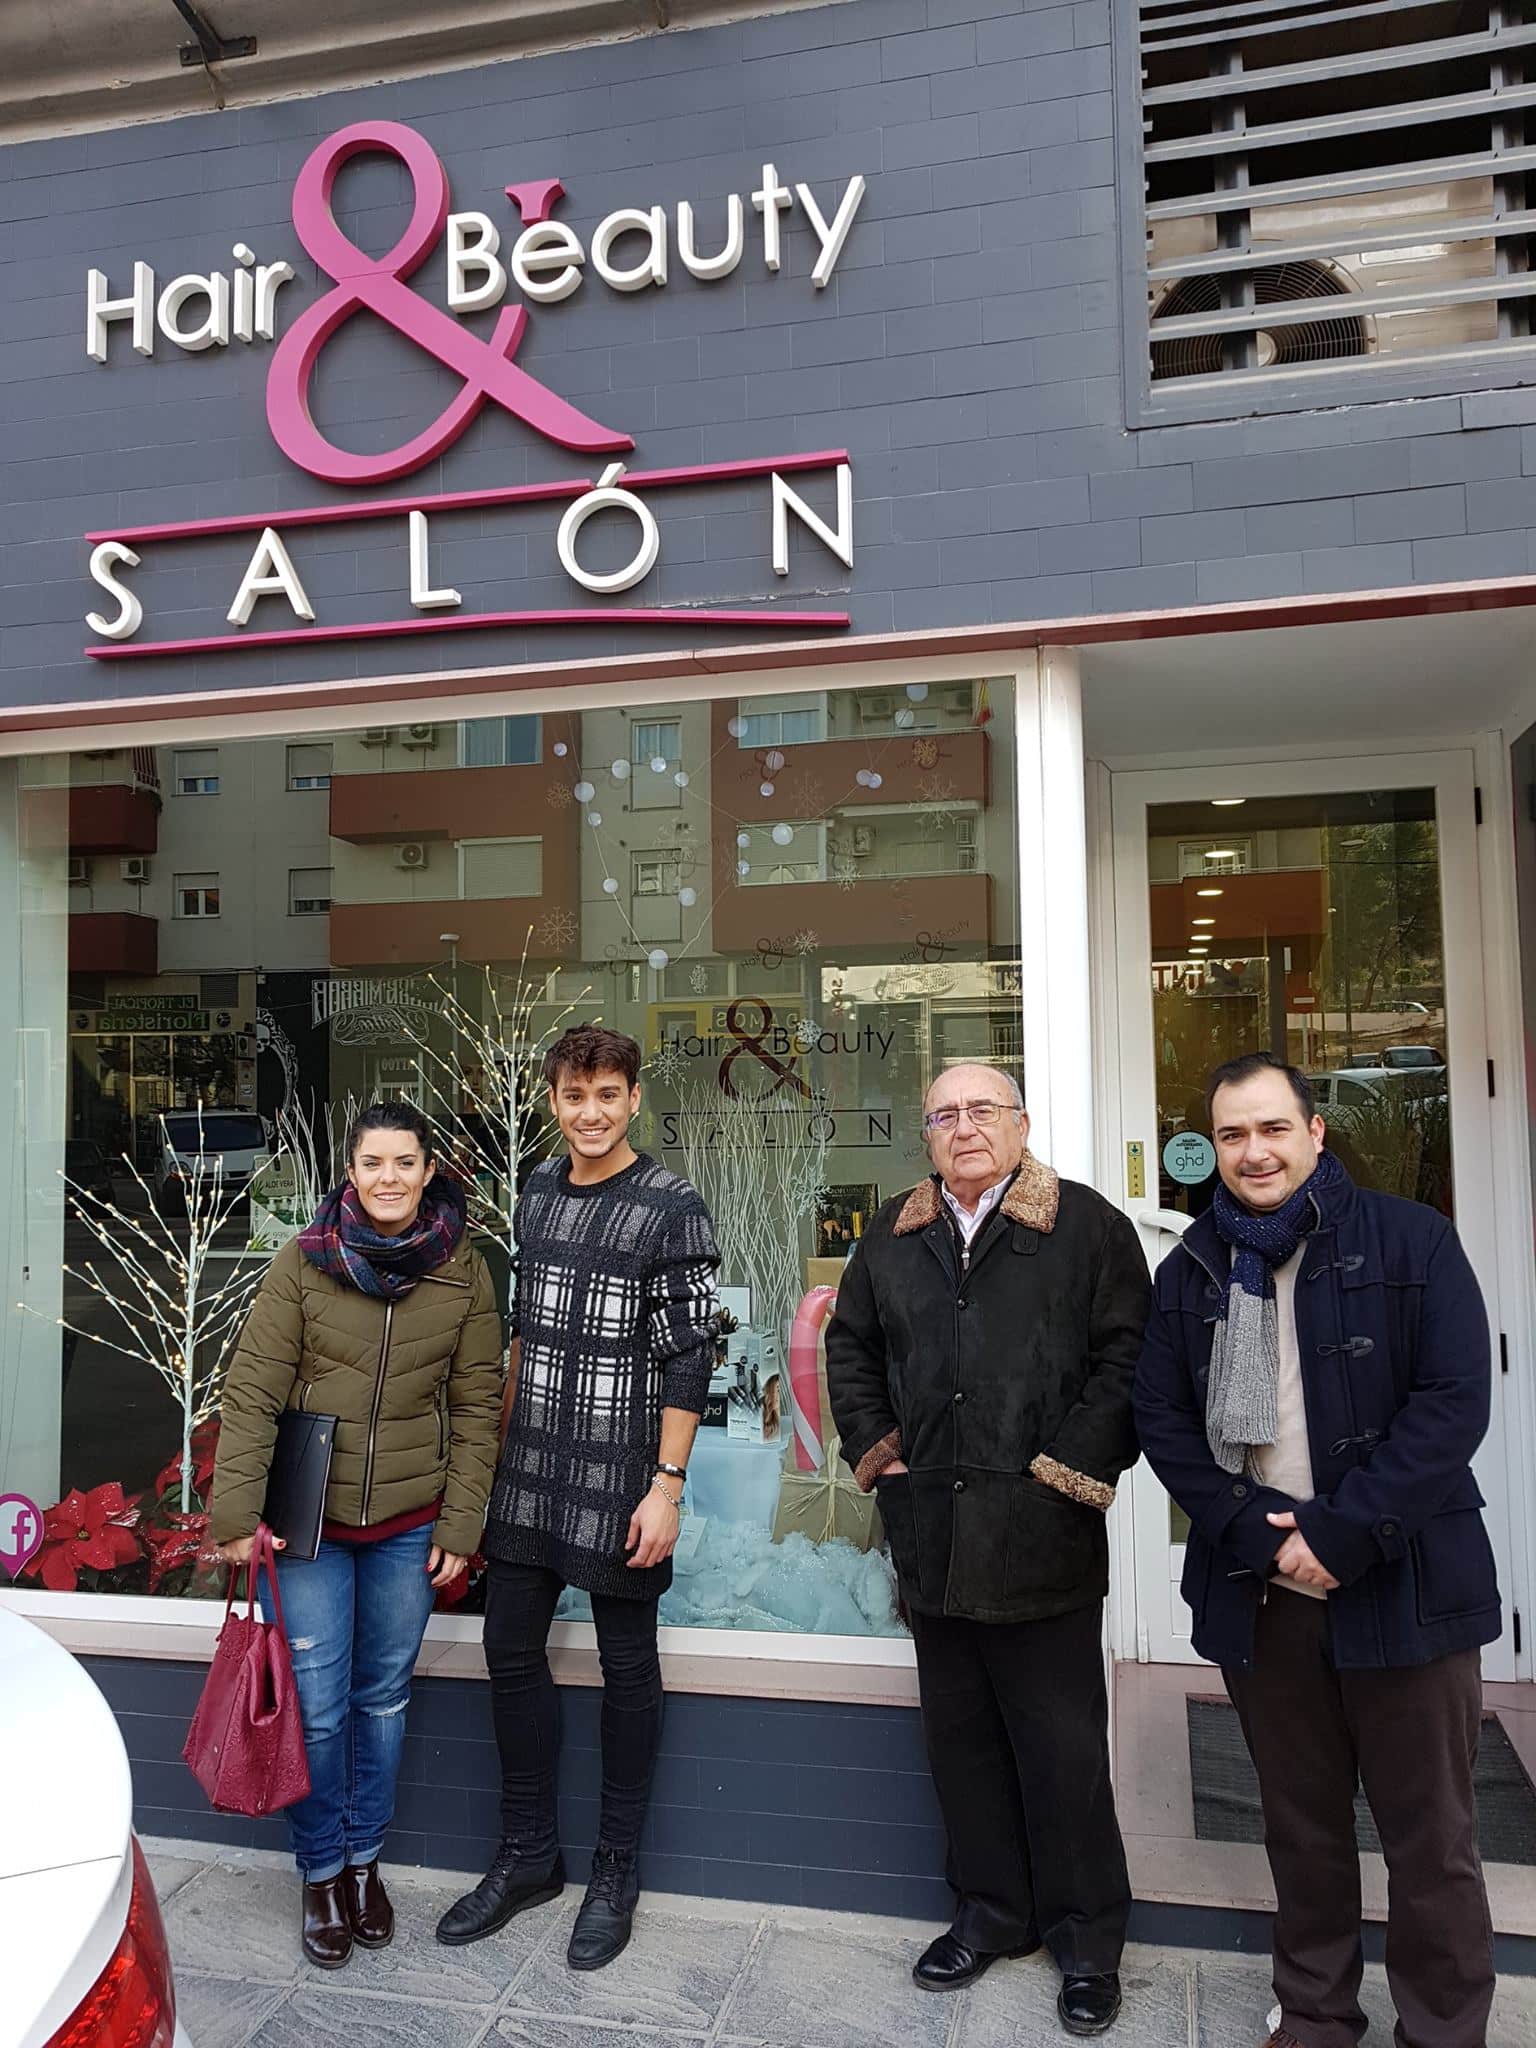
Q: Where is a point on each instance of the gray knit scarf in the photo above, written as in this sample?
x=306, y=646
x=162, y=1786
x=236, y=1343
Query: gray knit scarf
x=1242, y=1396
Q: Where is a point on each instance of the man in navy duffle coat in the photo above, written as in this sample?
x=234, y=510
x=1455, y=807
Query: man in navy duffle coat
x=1314, y=1382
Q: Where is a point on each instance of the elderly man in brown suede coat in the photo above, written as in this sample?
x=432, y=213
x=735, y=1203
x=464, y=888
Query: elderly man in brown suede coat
x=980, y=1366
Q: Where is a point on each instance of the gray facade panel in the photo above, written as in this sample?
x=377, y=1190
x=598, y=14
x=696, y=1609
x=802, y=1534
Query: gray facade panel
x=966, y=352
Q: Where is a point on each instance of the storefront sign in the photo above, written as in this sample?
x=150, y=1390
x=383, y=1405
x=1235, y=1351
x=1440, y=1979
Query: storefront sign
x=548, y=262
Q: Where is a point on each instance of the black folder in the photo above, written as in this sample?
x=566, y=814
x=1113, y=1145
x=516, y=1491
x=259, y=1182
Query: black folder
x=297, y=1479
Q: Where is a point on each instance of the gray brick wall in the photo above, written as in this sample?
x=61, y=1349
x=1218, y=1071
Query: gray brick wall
x=967, y=353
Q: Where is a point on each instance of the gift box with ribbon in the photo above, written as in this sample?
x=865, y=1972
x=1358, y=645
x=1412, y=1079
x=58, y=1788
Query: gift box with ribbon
x=826, y=1505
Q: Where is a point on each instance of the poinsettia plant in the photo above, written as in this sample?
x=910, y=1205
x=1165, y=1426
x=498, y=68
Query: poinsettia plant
x=87, y=1534
x=105, y=1541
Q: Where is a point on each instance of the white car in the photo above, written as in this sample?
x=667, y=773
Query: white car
x=84, y=1961
x=232, y=1141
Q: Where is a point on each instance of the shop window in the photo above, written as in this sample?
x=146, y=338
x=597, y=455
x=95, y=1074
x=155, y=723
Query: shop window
x=309, y=891
x=499, y=742
x=195, y=896
x=1335, y=203
x=796, y=966
x=500, y=867
x=195, y=771
x=309, y=766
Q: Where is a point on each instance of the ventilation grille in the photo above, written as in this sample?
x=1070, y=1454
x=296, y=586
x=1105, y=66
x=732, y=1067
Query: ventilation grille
x=1369, y=152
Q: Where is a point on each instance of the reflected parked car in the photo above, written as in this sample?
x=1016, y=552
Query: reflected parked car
x=83, y=1954
x=236, y=1138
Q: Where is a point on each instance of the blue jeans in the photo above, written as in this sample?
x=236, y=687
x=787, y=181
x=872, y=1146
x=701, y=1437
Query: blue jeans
x=355, y=1616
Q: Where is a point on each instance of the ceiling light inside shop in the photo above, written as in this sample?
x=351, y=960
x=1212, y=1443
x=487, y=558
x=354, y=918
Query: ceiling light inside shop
x=1208, y=892
x=1202, y=920
x=1221, y=853
x=1226, y=803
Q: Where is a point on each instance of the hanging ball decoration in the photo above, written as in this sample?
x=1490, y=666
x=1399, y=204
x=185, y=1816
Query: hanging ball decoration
x=610, y=886
x=658, y=957
x=875, y=780
x=681, y=778
x=906, y=719
x=743, y=839
x=584, y=792
x=594, y=817
x=918, y=692
x=561, y=750
x=687, y=898
x=620, y=771
x=862, y=778
x=658, y=764
x=737, y=728
x=743, y=867
x=783, y=835
x=765, y=789
x=774, y=761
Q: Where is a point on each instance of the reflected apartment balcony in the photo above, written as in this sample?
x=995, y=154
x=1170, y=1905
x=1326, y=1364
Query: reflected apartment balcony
x=406, y=935
x=888, y=915
x=112, y=817
x=113, y=941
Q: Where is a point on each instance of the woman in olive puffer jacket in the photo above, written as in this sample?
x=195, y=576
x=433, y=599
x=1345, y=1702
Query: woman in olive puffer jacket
x=381, y=1315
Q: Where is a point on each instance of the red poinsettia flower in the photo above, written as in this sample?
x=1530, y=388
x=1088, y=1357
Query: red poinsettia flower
x=174, y=1540
x=93, y=1531
x=205, y=1447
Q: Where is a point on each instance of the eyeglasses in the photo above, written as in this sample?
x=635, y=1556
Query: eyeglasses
x=981, y=1115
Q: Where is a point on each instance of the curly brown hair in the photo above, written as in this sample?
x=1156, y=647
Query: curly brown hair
x=588, y=1049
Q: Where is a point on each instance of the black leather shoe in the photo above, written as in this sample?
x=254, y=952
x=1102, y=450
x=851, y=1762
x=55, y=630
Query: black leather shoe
x=948, y=1963
x=369, y=1914
x=607, y=1912
x=509, y=1887
x=1089, y=2005
x=326, y=1937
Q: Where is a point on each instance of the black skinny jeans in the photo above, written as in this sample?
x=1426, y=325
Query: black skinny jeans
x=519, y=1607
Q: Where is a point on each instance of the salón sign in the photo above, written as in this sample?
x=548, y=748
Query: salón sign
x=630, y=250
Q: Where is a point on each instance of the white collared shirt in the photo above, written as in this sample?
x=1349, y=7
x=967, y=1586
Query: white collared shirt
x=970, y=1221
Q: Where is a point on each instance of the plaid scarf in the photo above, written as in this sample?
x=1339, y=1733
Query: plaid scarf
x=342, y=1242
x=1242, y=1396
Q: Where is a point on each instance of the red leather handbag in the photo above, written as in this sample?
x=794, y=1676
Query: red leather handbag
x=246, y=1741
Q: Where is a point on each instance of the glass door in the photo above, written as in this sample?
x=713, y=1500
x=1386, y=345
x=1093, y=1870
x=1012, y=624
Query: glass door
x=1329, y=914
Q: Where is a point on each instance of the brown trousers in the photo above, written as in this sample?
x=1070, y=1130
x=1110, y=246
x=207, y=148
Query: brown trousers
x=1410, y=1738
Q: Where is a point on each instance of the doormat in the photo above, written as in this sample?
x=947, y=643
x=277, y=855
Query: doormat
x=1226, y=1788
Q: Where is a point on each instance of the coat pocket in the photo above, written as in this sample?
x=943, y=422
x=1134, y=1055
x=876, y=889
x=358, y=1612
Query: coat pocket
x=893, y=1492
x=1055, y=1545
x=1453, y=1568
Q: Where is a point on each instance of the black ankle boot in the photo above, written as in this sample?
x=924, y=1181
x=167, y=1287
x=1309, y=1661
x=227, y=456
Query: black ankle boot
x=509, y=1887
x=608, y=1911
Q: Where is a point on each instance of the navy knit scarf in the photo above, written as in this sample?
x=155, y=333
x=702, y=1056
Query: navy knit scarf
x=342, y=1242
x=1242, y=1391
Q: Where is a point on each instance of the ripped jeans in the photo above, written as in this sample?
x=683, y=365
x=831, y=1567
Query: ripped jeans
x=355, y=1615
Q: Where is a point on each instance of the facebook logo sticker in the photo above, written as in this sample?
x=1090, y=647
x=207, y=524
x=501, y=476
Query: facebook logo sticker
x=21, y=1531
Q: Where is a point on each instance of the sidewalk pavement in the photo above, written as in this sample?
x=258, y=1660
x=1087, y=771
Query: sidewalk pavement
x=698, y=1971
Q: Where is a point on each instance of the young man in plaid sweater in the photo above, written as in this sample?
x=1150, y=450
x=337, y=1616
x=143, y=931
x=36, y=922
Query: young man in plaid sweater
x=614, y=1310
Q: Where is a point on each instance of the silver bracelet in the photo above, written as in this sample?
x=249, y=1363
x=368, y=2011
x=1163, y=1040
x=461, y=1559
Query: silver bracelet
x=674, y=1501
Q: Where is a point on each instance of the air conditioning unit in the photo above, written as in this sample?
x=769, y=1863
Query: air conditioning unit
x=412, y=854
x=956, y=700
x=134, y=867
x=419, y=736
x=877, y=704
x=79, y=869
x=378, y=735
x=862, y=839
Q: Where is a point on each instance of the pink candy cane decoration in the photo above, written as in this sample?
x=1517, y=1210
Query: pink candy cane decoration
x=804, y=1380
